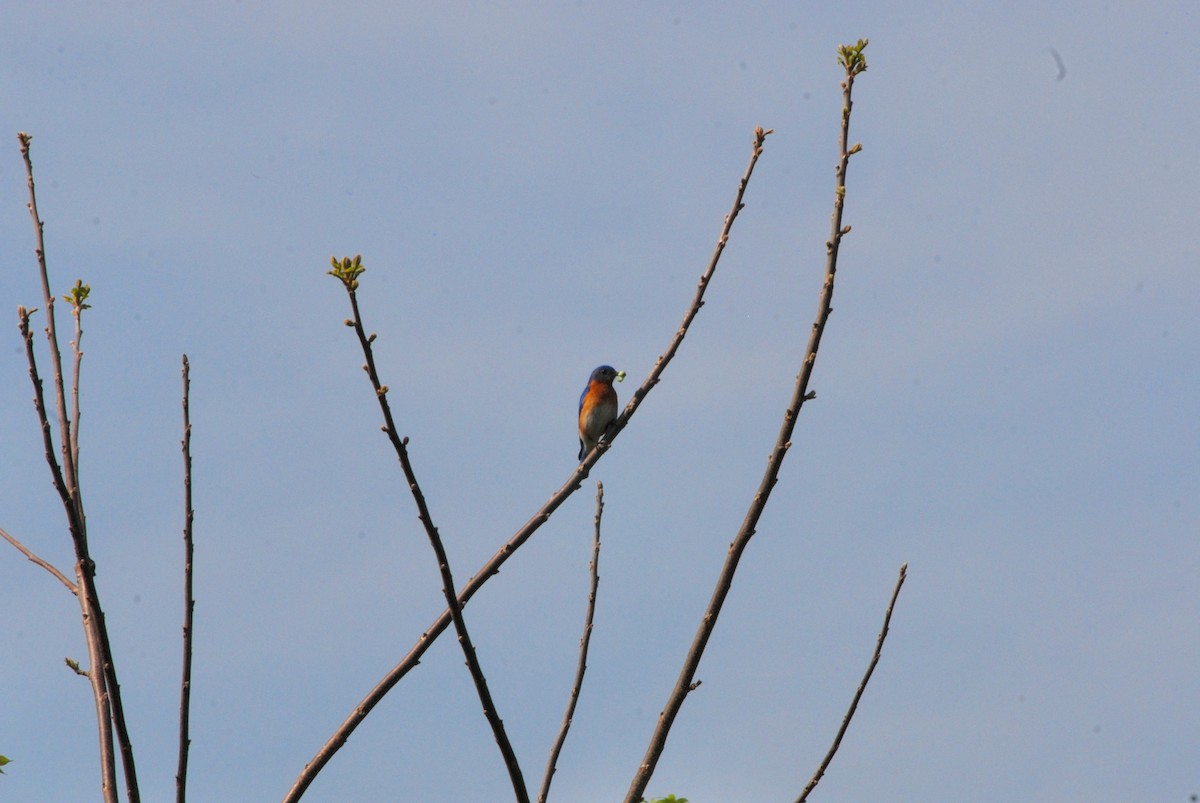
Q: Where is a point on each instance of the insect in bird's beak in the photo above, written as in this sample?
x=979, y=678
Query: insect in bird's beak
x=620, y=376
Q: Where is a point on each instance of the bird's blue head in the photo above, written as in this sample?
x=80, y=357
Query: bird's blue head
x=606, y=374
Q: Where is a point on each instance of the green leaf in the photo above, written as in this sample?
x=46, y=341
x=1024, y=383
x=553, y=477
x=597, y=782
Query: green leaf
x=851, y=57
x=78, y=295
x=347, y=271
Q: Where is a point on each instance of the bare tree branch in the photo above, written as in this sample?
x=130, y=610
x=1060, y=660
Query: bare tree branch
x=105, y=689
x=573, y=483
x=62, y=578
x=660, y=364
x=189, y=604
x=77, y=299
x=584, y=641
x=51, y=329
x=39, y=404
x=82, y=589
x=685, y=682
x=114, y=689
x=862, y=687
x=348, y=272
x=78, y=295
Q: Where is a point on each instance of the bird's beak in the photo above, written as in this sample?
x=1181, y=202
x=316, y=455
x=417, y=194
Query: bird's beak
x=620, y=376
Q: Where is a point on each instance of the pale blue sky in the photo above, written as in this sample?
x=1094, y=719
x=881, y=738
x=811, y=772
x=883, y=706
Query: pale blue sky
x=1006, y=391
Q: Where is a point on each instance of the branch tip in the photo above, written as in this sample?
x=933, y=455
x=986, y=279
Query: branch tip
x=347, y=271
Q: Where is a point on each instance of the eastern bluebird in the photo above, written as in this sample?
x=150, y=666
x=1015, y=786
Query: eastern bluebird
x=597, y=407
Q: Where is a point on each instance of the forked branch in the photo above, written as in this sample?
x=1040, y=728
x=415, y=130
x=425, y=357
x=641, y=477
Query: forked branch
x=60, y=398
x=573, y=483
x=686, y=680
x=106, y=690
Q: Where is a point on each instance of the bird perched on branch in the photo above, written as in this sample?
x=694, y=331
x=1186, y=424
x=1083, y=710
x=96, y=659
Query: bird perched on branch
x=597, y=407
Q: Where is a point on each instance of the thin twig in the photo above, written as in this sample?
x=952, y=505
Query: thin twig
x=73, y=439
x=660, y=365
x=39, y=405
x=350, y=281
x=584, y=641
x=685, y=682
x=493, y=564
x=862, y=687
x=189, y=604
x=62, y=578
